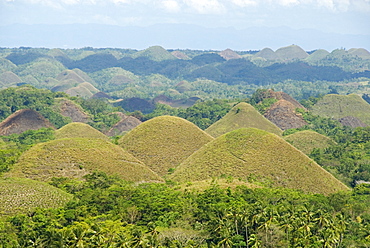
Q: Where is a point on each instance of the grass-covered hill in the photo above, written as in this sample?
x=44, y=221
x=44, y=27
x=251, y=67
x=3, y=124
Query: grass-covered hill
x=23, y=120
x=164, y=142
x=339, y=106
x=308, y=140
x=76, y=157
x=250, y=153
x=242, y=115
x=21, y=195
x=79, y=130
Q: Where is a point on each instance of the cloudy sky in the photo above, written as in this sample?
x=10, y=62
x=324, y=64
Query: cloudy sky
x=335, y=16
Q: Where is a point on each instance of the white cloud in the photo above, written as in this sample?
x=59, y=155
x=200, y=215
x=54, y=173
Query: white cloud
x=171, y=5
x=288, y=2
x=244, y=3
x=205, y=6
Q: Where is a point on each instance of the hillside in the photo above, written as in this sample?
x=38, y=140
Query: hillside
x=70, y=109
x=156, y=53
x=23, y=120
x=242, y=115
x=76, y=157
x=164, y=142
x=125, y=124
x=253, y=153
x=79, y=130
x=284, y=115
x=339, y=106
x=290, y=53
x=25, y=195
x=308, y=140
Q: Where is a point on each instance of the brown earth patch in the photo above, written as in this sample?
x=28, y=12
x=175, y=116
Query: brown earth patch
x=283, y=114
x=23, y=120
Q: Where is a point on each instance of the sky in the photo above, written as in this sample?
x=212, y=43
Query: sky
x=333, y=16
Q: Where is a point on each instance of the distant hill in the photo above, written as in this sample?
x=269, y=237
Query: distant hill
x=307, y=140
x=267, y=53
x=19, y=196
x=229, y=54
x=70, y=75
x=70, y=109
x=156, y=53
x=242, y=115
x=79, y=130
x=253, y=153
x=9, y=78
x=125, y=124
x=283, y=114
x=164, y=142
x=23, y=120
x=290, y=53
x=317, y=55
x=76, y=157
x=351, y=121
x=339, y=106
x=135, y=103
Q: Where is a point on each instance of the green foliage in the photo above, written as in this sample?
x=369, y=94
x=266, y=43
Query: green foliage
x=109, y=212
x=28, y=97
x=15, y=144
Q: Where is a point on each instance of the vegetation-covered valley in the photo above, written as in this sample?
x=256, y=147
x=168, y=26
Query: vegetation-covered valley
x=184, y=148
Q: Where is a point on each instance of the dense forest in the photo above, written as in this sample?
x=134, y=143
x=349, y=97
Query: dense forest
x=103, y=210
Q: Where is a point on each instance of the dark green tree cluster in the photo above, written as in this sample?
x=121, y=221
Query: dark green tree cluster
x=202, y=113
x=14, y=145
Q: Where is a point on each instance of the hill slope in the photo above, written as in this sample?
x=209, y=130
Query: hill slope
x=250, y=152
x=23, y=120
x=339, y=106
x=70, y=109
x=24, y=195
x=76, y=157
x=242, y=115
x=307, y=140
x=283, y=114
x=79, y=130
x=164, y=142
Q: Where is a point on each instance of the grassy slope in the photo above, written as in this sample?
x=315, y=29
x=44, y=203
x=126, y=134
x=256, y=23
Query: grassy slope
x=79, y=130
x=164, y=142
x=156, y=53
x=250, y=152
x=338, y=106
x=242, y=115
x=76, y=157
x=307, y=140
x=19, y=195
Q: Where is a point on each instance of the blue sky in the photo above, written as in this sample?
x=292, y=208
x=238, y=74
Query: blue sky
x=335, y=16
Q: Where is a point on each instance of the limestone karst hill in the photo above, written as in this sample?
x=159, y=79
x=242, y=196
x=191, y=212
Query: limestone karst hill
x=23, y=120
x=164, y=142
x=79, y=130
x=76, y=157
x=308, y=140
x=250, y=153
x=242, y=115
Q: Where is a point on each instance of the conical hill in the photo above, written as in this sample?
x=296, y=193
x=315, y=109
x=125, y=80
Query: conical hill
x=79, y=130
x=242, y=115
x=76, y=157
x=253, y=153
x=308, y=140
x=339, y=106
x=21, y=195
x=23, y=120
x=164, y=142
